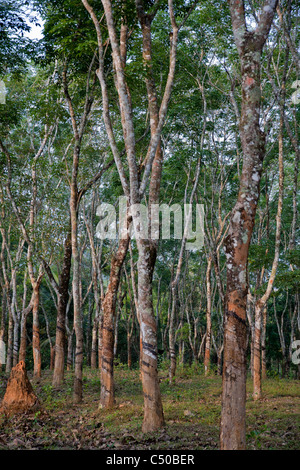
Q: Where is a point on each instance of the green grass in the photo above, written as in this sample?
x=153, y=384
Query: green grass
x=192, y=408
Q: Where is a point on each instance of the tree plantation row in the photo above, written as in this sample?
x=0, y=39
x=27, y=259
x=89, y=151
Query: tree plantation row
x=152, y=102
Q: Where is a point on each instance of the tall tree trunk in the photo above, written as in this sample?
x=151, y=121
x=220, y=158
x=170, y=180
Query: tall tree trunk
x=181, y=353
x=130, y=320
x=16, y=342
x=116, y=331
x=94, y=343
x=96, y=279
x=75, y=197
x=63, y=294
x=3, y=317
x=52, y=348
x=23, y=340
x=251, y=332
x=9, y=350
x=147, y=249
x=208, y=318
x=129, y=355
x=172, y=343
x=249, y=45
x=256, y=353
x=74, y=207
x=100, y=336
x=36, y=347
x=263, y=345
x=219, y=363
x=52, y=356
x=70, y=351
x=135, y=190
x=107, y=397
x=77, y=392
x=153, y=411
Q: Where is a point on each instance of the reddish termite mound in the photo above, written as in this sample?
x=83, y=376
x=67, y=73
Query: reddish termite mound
x=19, y=396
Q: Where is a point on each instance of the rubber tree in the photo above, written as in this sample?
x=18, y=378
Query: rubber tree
x=135, y=186
x=249, y=45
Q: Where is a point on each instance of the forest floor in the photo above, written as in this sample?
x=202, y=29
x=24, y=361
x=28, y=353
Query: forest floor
x=191, y=407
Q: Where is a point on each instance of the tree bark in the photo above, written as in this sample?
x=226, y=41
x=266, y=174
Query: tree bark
x=77, y=392
x=263, y=346
x=23, y=340
x=9, y=351
x=16, y=343
x=208, y=319
x=70, y=351
x=36, y=347
x=63, y=294
x=107, y=397
x=153, y=412
x=249, y=45
x=75, y=197
x=94, y=343
x=134, y=190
